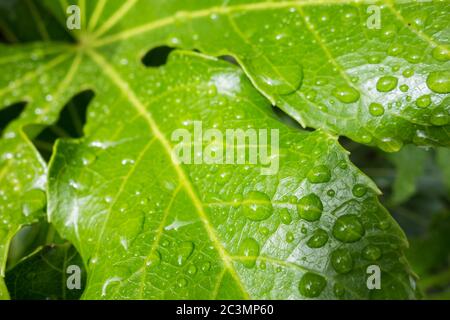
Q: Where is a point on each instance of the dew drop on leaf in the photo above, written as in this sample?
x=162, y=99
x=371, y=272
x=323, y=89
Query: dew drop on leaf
x=342, y=260
x=346, y=94
x=423, y=101
x=310, y=207
x=439, y=81
x=311, y=285
x=371, y=253
x=348, y=228
x=439, y=117
x=387, y=83
x=319, y=174
x=338, y=290
x=318, y=239
x=376, y=109
x=285, y=216
x=249, y=251
x=257, y=206
x=289, y=237
x=441, y=54
x=185, y=250
x=359, y=190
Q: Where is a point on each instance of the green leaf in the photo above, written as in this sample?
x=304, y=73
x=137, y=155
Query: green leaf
x=318, y=61
x=430, y=256
x=443, y=160
x=44, y=275
x=4, y=295
x=148, y=227
x=410, y=165
x=293, y=58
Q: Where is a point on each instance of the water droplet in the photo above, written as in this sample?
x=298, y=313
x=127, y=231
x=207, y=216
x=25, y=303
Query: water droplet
x=185, y=250
x=376, y=109
x=343, y=164
x=153, y=259
x=285, y=216
x=319, y=174
x=371, y=253
x=346, y=94
x=342, y=261
x=311, y=285
x=287, y=80
x=404, y=88
x=289, y=237
x=408, y=73
x=348, y=228
x=359, y=190
x=318, y=239
x=182, y=282
x=206, y=266
x=390, y=144
x=387, y=83
x=338, y=290
x=249, y=251
x=439, y=117
x=395, y=49
x=441, y=54
x=423, y=101
x=439, y=81
x=331, y=193
x=310, y=207
x=257, y=206
x=192, y=270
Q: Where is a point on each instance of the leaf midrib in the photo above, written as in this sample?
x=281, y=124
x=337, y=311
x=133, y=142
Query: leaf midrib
x=140, y=108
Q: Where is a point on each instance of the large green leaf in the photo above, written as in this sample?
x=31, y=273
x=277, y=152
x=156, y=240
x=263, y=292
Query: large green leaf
x=44, y=275
x=286, y=51
x=148, y=227
x=318, y=60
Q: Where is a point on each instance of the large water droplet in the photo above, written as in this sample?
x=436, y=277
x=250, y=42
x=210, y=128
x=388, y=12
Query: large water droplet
x=359, y=190
x=423, y=101
x=439, y=81
x=287, y=80
x=376, y=109
x=311, y=285
x=439, y=117
x=153, y=259
x=257, y=206
x=342, y=260
x=318, y=239
x=285, y=216
x=185, y=250
x=289, y=237
x=249, y=252
x=338, y=290
x=310, y=207
x=346, y=94
x=319, y=174
x=387, y=83
x=371, y=253
x=348, y=228
x=441, y=54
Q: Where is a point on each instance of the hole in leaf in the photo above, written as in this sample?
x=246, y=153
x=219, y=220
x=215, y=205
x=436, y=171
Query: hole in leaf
x=9, y=114
x=286, y=119
x=229, y=59
x=157, y=57
x=70, y=124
